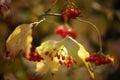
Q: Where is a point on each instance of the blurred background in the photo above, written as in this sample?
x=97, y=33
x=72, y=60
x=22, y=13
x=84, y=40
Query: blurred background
x=105, y=14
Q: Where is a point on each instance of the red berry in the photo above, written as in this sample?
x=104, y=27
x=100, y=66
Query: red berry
x=87, y=59
x=59, y=30
x=35, y=54
x=92, y=59
x=63, y=57
x=30, y=59
x=71, y=33
x=64, y=32
x=103, y=61
x=97, y=62
x=78, y=12
x=46, y=53
x=107, y=61
x=70, y=13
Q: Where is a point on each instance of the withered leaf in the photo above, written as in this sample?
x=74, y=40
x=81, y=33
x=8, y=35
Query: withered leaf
x=20, y=41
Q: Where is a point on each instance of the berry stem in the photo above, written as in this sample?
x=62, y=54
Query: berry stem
x=48, y=10
x=53, y=14
x=98, y=32
x=38, y=22
x=66, y=25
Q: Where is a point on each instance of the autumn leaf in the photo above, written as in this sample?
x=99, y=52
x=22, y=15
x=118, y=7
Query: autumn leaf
x=83, y=54
x=19, y=41
x=48, y=64
x=79, y=53
x=65, y=52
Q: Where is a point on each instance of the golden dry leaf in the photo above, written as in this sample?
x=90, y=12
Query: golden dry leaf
x=19, y=41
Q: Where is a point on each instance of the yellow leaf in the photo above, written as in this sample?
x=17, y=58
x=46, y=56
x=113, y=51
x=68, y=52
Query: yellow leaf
x=78, y=52
x=48, y=64
x=20, y=41
x=83, y=54
x=66, y=47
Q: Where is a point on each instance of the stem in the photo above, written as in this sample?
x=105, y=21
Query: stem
x=94, y=26
x=73, y=40
x=37, y=23
x=53, y=14
x=47, y=11
x=66, y=25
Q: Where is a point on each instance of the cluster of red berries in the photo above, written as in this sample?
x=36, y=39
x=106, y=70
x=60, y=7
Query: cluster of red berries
x=64, y=32
x=70, y=13
x=98, y=59
x=34, y=56
x=67, y=61
x=70, y=61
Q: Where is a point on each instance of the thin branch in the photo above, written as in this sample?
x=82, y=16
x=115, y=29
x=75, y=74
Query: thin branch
x=37, y=23
x=98, y=32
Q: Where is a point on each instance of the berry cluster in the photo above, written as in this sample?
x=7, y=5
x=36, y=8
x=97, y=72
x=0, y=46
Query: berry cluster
x=70, y=13
x=34, y=56
x=64, y=32
x=98, y=59
x=63, y=60
x=70, y=61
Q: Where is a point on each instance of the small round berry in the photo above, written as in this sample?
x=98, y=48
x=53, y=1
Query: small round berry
x=59, y=30
x=97, y=62
x=35, y=54
x=71, y=33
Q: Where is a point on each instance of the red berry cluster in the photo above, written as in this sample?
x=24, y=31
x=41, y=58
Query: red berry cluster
x=98, y=59
x=70, y=13
x=67, y=61
x=34, y=56
x=70, y=61
x=64, y=32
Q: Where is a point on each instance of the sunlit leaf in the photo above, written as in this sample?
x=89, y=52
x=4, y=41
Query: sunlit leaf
x=78, y=52
x=67, y=47
x=47, y=64
x=19, y=41
x=47, y=46
x=83, y=54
